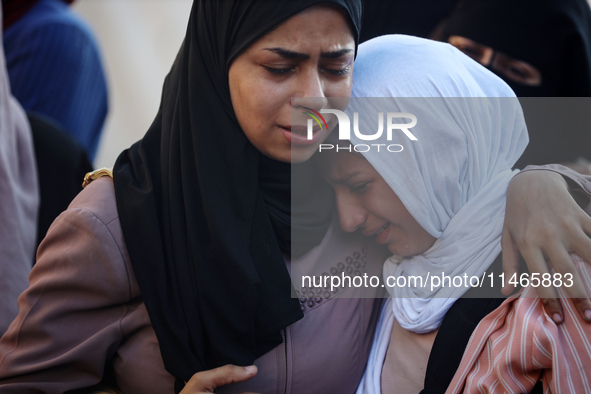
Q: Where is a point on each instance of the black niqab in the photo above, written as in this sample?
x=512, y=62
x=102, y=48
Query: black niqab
x=552, y=35
x=204, y=215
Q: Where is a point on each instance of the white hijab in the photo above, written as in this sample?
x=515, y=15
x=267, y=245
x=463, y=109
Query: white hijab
x=453, y=179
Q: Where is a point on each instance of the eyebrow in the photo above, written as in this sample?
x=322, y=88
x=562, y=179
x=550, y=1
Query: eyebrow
x=303, y=56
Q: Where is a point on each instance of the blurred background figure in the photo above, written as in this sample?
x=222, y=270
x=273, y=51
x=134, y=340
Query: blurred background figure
x=55, y=67
x=19, y=199
x=541, y=48
x=61, y=166
x=56, y=73
x=413, y=17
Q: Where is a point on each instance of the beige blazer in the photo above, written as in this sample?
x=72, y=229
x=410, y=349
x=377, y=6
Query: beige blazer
x=82, y=317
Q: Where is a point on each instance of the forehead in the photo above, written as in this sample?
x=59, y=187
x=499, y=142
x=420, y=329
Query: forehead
x=322, y=27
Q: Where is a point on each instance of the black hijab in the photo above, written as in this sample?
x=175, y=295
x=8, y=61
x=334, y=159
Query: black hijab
x=552, y=35
x=205, y=215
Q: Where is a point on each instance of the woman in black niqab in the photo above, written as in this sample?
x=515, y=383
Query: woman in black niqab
x=205, y=216
x=552, y=35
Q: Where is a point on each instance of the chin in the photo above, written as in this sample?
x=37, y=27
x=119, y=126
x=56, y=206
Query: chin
x=300, y=155
x=400, y=251
x=293, y=155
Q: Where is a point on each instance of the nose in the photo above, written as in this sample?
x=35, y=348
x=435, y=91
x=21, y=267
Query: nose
x=310, y=91
x=352, y=215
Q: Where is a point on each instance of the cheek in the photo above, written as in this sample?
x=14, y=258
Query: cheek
x=341, y=88
x=250, y=106
x=423, y=240
x=241, y=105
x=347, y=83
x=263, y=100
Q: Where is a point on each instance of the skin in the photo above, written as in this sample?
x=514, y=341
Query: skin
x=545, y=237
x=208, y=381
x=302, y=63
x=366, y=203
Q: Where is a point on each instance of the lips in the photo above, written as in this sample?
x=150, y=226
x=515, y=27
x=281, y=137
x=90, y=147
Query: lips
x=375, y=232
x=298, y=135
x=303, y=130
x=380, y=234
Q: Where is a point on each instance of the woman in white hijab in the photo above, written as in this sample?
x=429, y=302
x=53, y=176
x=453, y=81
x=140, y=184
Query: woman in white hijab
x=437, y=202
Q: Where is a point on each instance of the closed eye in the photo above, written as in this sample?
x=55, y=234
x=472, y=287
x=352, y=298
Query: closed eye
x=337, y=72
x=279, y=71
x=359, y=188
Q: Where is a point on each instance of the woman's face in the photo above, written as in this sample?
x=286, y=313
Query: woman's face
x=308, y=56
x=366, y=203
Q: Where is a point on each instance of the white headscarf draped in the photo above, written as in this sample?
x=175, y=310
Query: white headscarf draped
x=453, y=180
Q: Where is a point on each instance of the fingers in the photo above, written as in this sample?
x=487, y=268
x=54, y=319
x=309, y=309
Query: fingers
x=549, y=295
x=553, y=309
x=581, y=244
x=552, y=224
x=208, y=381
x=570, y=281
x=583, y=306
x=510, y=256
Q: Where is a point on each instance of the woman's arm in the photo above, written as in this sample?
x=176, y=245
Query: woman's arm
x=68, y=325
x=545, y=220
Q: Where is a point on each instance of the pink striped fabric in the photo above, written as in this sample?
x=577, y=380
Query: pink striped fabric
x=518, y=344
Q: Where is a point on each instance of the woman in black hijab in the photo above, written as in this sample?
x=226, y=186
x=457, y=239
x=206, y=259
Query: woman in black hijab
x=203, y=209
x=204, y=206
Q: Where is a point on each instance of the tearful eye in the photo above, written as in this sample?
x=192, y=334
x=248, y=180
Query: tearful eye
x=338, y=72
x=279, y=70
x=359, y=188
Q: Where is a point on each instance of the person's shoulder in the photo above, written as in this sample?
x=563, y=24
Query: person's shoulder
x=98, y=199
x=91, y=228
